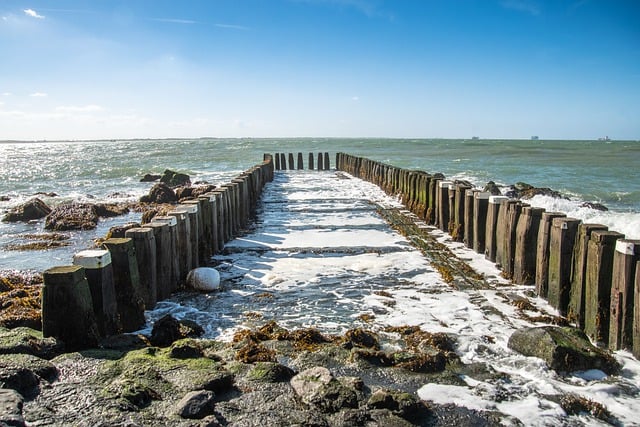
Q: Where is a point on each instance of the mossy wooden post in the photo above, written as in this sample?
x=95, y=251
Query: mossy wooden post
x=144, y=242
x=561, y=243
x=636, y=313
x=321, y=164
x=491, y=242
x=600, y=250
x=283, y=161
x=192, y=208
x=501, y=233
x=213, y=223
x=206, y=227
x=127, y=283
x=292, y=165
x=311, y=160
x=327, y=162
x=524, y=263
x=164, y=258
x=431, y=216
x=300, y=162
x=67, y=309
x=542, y=252
x=480, y=207
x=99, y=273
x=182, y=242
x=625, y=258
x=513, y=215
x=243, y=211
x=443, y=205
x=575, y=311
x=221, y=201
x=468, y=216
x=460, y=204
x=452, y=208
x=277, y=161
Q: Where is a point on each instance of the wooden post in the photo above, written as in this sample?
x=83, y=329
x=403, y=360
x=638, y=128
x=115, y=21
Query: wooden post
x=561, y=243
x=172, y=223
x=542, y=252
x=99, y=274
x=213, y=230
x=501, y=232
x=480, y=208
x=431, y=216
x=127, y=283
x=283, y=161
x=625, y=258
x=67, y=310
x=300, y=163
x=292, y=166
x=636, y=314
x=575, y=312
x=600, y=250
x=277, y=161
x=491, y=242
x=196, y=230
x=320, y=163
x=452, y=208
x=183, y=241
x=442, y=200
x=468, y=216
x=164, y=259
x=144, y=242
x=221, y=200
x=327, y=164
x=206, y=226
x=524, y=265
x=460, y=205
x=311, y=161
x=513, y=215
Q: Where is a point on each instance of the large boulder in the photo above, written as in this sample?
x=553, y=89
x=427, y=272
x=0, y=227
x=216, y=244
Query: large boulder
x=160, y=193
x=28, y=211
x=565, y=349
x=196, y=404
x=175, y=179
x=72, y=216
x=318, y=387
x=204, y=279
x=191, y=192
x=168, y=329
x=11, y=403
x=150, y=177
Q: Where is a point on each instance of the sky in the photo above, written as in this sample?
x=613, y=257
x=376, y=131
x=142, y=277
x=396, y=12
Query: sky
x=109, y=69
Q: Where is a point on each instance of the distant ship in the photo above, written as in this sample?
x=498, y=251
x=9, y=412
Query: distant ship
x=534, y=138
x=475, y=137
x=606, y=138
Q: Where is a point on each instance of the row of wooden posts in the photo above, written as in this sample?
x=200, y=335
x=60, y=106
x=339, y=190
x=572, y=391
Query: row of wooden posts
x=281, y=161
x=106, y=290
x=588, y=273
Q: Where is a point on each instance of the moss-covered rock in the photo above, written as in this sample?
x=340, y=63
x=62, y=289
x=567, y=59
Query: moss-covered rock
x=565, y=349
x=28, y=341
x=270, y=372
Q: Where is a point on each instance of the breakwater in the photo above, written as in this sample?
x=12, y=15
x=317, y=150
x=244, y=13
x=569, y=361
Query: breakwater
x=105, y=291
x=588, y=273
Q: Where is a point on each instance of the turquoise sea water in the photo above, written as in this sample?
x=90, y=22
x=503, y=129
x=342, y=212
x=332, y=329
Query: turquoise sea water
x=598, y=171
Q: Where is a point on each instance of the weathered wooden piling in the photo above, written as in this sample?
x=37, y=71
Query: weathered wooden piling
x=442, y=205
x=196, y=235
x=459, y=206
x=144, y=242
x=509, y=243
x=172, y=248
x=310, y=161
x=562, y=240
x=524, y=265
x=292, y=165
x=320, y=162
x=277, y=158
x=164, y=259
x=206, y=226
x=327, y=163
x=431, y=217
x=300, y=163
x=480, y=208
x=542, y=252
x=600, y=249
x=283, y=161
x=99, y=274
x=635, y=349
x=127, y=283
x=575, y=311
x=625, y=259
x=67, y=308
x=491, y=240
x=468, y=217
x=183, y=243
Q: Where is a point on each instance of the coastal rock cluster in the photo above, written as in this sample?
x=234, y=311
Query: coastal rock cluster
x=524, y=191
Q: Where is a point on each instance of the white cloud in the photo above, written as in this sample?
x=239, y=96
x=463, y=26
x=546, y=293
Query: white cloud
x=32, y=13
x=38, y=95
x=79, y=109
x=6, y=93
x=232, y=27
x=175, y=21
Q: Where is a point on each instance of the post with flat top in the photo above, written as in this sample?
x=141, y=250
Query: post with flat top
x=542, y=252
x=625, y=258
x=480, y=207
x=561, y=243
x=144, y=242
x=300, y=163
x=310, y=161
x=164, y=258
x=442, y=199
x=524, y=264
x=491, y=242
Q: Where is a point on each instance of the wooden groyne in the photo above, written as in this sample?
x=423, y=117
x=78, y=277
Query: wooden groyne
x=106, y=290
x=588, y=273
x=284, y=161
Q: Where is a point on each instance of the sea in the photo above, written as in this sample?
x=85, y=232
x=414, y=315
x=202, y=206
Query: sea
x=318, y=255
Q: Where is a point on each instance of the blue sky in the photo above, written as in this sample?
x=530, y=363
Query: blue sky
x=80, y=69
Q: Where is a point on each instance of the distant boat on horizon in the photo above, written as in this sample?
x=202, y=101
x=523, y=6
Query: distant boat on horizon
x=535, y=138
x=475, y=138
x=605, y=138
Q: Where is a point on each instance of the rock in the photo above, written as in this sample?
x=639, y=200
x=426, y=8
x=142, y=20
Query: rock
x=167, y=330
x=361, y=338
x=109, y=210
x=23, y=372
x=29, y=341
x=188, y=192
x=217, y=382
x=564, y=349
x=595, y=206
x=135, y=392
x=11, y=403
x=541, y=191
x=252, y=352
x=204, y=279
x=4, y=198
x=175, y=179
x=72, y=216
x=160, y=193
x=270, y=372
x=150, y=177
x=399, y=403
x=318, y=387
x=492, y=188
x=118, y=231
x=185, y=349
x=196, y=405
x=28, y=211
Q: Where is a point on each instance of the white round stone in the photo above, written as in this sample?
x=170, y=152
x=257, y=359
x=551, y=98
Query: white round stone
x=204, y=279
